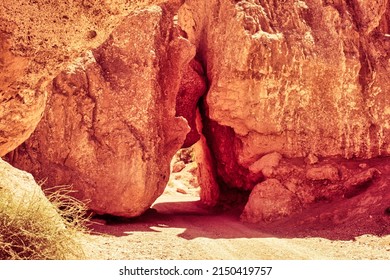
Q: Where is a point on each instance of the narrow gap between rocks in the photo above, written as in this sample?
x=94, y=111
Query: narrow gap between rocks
x=184, y=183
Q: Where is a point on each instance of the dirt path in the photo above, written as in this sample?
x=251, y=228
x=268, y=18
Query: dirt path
x=178, y=227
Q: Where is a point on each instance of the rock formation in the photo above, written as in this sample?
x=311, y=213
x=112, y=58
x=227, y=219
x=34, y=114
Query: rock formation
x=270, y=200
x=297, y=77
x=110, y=129
x=37, y=38
x=293, y=87
x=209, y=192
x=192, y=87
x=21, y=190
x=33, y=226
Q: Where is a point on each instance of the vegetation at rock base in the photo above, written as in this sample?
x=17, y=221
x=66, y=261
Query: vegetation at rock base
x=36, y=228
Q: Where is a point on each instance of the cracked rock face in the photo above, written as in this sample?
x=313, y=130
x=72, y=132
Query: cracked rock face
x=293, y=77
x=110, y=129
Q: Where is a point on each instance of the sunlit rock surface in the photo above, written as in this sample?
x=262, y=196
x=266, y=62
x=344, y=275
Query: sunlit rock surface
x=109, y=129
x=290, y=89
x=37, y=39
x=293, y=77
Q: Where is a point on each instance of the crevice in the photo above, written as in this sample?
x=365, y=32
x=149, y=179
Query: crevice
x=366, y=72
x=90, y=92
x=221, y=141
x=140, y=139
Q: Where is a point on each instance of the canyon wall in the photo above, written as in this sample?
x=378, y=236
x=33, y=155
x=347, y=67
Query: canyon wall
x=294, y=77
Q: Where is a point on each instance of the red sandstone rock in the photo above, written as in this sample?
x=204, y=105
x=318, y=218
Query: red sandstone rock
x=324, y=172
x=209, y=192
x=37, y=39
x=270, y=201
x=265, y=163
x=110, y=129
x=295, y=77
x=178, y=166
x=311, y=159
x=192, y=87
x=358, y=182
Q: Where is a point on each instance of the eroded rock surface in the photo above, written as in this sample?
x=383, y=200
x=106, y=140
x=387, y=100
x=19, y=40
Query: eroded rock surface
x=269, y=201
x=325, y=185
x=288, y=83
x=192, y=87
x=293, y=77
x=37, y=39
x=110, y=129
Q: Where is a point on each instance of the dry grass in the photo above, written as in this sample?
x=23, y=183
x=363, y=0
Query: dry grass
x=34, y=228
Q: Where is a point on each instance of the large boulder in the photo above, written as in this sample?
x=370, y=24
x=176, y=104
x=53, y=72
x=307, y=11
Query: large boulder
x=110, y=129
x=37, y=39
x=270, y=201
x=293, y=77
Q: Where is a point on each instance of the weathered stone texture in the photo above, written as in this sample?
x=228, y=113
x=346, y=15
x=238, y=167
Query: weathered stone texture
x=37, y=39
x=192, y=87
x=209, y=192
x=285, y=80
x=110, y=129
x=293, y=77
x=270, y=201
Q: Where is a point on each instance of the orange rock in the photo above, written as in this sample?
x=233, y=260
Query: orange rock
x=270, y=201
x=192, y=87
x=324, y=172
x=110, y=129
x=37, y=40
x=295, y=78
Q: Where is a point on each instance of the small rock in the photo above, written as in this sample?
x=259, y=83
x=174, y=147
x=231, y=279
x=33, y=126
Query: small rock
x=363, y=165
x=325, y=172
x=311, y=159
x=178, y=186
x=269, y=160
x=178, y=166
x=291, y=186
x=182, y=190
x=359, y=182
x=361, y=178
x=191, y=168
x=269, y=201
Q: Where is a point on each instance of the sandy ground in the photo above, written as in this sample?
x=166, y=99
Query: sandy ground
x=179, y=227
